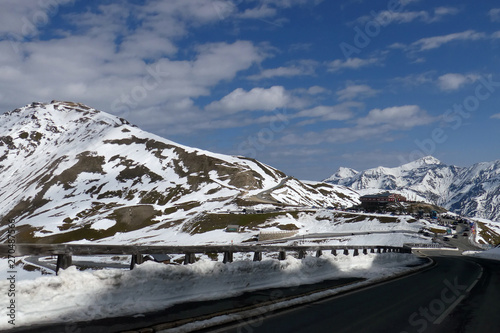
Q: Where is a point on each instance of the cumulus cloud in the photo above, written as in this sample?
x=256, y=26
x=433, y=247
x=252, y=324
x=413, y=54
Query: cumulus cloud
x=400, y=17
x=263, y=11
x=495, y=116
x=454, y=81
x=341, y=111
x=415, y=79
x=23, y=19
x=354, y=91
x=351, y=63
x=302, y=67
x=315, y=90
x=255, y=99
x=494, y=14
x=406, y=116
x=430, y=43
x=378, y=123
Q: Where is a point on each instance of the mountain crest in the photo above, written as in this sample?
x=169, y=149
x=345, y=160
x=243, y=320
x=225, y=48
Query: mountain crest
x=471, y=191
x=422, y=162
x=71, y=172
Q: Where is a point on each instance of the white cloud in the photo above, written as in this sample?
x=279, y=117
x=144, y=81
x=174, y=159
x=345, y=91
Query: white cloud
x=386, y=17
x=341, y=111
x=334, y=135
x=351, y=63
x=442, y=11
x=397, y=117
x=301, y=67
x=437, y=41
x=291, y=3
x=494, y=14
x=453, y=81
x=20, y=19
x=255, y=99
x=415, y=79
x=379, y=123
x=88, y=70
x=495, y=116
x=258, y=12
x=354, y=91
x=315, y=90
x=192, y=11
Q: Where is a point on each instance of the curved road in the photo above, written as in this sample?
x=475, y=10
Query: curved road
x=457, y=294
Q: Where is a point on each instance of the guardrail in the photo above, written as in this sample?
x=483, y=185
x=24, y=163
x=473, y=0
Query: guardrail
x=428, y=245
x=64, y=252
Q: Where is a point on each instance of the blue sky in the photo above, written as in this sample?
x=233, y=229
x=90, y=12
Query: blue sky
x=305, y=86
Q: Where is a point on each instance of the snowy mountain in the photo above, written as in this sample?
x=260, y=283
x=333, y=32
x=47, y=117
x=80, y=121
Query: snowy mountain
x=70, y=172
x=472, y=191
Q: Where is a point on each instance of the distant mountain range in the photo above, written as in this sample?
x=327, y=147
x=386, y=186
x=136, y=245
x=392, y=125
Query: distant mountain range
x=471, y=191
x=70, y=172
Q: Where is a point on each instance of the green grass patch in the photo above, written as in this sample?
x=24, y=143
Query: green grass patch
x=209, y=222
x=437, y=231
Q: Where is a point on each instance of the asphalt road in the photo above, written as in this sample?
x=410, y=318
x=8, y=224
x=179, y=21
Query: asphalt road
x=458, y=294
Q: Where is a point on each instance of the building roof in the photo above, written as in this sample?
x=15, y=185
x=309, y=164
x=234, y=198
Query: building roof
x=160, y=257
x=378, y=195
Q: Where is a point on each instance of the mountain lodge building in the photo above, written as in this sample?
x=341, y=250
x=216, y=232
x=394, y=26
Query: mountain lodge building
x=380, y=200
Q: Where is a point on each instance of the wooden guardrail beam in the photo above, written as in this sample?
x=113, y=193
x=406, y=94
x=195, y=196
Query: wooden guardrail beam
x=23, y=249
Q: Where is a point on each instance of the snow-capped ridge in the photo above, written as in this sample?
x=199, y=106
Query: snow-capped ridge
x=341, y=173
x=472, y=191
x=421, y=162
x=67, y=167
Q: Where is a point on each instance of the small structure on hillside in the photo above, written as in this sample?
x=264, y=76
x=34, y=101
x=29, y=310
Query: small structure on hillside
x=380, y=200
x=233, y=228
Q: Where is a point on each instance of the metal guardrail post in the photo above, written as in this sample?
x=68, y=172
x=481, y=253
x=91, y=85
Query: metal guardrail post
x=228, y=257
x=346, y=252
x=319, y=253
x=356, y=252
x=302, y=254
x=334, y=252
x=282, y=255
x=189, y=258
x=63, y=262
x=257, y=256
x=137, y=259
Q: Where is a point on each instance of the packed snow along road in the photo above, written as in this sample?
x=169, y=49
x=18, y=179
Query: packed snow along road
x=92, y=294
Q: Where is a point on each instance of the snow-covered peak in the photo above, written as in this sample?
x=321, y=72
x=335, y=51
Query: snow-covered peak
x=472, y=191
x=57, y=117
x=342, y=173
x=67, y=167
x=421, y=162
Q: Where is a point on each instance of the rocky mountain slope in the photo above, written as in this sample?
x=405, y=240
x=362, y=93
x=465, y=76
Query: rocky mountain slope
x=472, y=191
x=70, y=172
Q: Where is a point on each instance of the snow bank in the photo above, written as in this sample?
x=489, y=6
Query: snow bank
x=489, y=254
x=87, y=295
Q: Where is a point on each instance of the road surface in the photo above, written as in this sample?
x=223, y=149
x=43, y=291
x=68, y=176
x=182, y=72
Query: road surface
x=458, y=294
